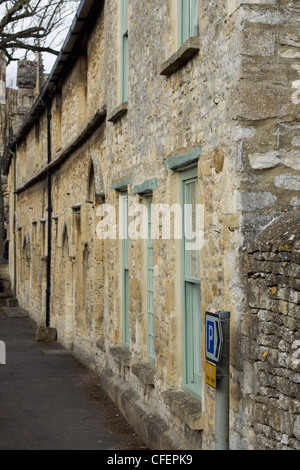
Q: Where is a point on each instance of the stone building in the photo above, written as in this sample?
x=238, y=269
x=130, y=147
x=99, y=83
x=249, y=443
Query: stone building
x=14, y=107
x=190, y=109
x=8, y=106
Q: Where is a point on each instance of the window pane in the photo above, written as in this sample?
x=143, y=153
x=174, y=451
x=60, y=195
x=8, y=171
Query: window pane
x=124, y=17
x=126, y=308
x=197, y=327
x=125, y=231
x=190, y=230
x=191, y=285
x=185, y=20
x=188, y=19
x=124, y=222
x=194, y=17
x=150, y=283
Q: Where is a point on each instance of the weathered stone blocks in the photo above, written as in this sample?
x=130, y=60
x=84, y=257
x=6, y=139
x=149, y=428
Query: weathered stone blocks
x=275, y=321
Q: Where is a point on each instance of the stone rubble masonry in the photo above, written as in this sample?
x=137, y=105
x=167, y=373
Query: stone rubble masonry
x=235, y=100
x=271, y=333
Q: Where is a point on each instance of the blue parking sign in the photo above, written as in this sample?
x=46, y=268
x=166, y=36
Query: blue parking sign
x=210, y=337
x=214, y=337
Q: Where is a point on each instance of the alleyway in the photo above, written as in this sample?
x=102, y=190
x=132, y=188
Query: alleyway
x=49, y=401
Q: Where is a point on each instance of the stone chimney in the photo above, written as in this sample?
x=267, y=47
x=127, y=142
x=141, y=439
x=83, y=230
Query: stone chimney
x=30, y=81
x=40, y=77
x=26, y=83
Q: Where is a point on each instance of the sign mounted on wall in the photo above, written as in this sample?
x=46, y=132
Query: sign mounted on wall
x=214, y=337
x=211, y=374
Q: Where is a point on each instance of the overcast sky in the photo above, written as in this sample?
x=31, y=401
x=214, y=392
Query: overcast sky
x=56, y=41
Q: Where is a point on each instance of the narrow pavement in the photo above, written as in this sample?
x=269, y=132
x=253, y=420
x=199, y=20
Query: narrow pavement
x=49, y=400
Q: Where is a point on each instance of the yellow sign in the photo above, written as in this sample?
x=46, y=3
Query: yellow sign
x=210, y=374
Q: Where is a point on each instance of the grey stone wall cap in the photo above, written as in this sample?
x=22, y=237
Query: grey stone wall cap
x=281, y=234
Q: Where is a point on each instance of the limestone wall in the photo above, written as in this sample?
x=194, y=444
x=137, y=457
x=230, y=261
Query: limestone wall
x=270, y=335
x=222, y=103
x=268, y=111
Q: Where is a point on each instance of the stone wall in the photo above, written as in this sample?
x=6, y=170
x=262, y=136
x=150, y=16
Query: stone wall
x=268, y=111
x=218, y=105
x=271, y=334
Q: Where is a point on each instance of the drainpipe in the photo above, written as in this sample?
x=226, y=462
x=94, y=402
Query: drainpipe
x=49, y=209
x=14, y=238
x=222, y=393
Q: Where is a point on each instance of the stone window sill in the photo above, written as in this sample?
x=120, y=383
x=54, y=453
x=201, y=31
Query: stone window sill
x=122, y=355
x=145, y=372
x=185, y=407
x=185, y=53
x=118, y=112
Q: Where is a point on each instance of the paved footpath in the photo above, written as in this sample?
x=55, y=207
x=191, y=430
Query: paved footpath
x=50, y=401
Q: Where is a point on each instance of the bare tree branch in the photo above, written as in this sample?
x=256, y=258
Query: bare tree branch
x=28, y=24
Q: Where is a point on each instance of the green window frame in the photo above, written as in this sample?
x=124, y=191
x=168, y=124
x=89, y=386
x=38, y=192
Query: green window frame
x=125, y=269
x=191, y=288
x=150, y=270
x=124, y=51
x=188, y=20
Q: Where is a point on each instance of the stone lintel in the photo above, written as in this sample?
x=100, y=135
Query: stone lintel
x=77, y=206
x=121, y=185
x=118, y=112
x=186, y=407
x=183, y=160
x=122, y=355
x=146, y=187
x=186, y=52
x=145, y=372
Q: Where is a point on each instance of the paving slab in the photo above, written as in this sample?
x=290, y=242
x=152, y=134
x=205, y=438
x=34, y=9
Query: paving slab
x=50, y=401
x=15, y=312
